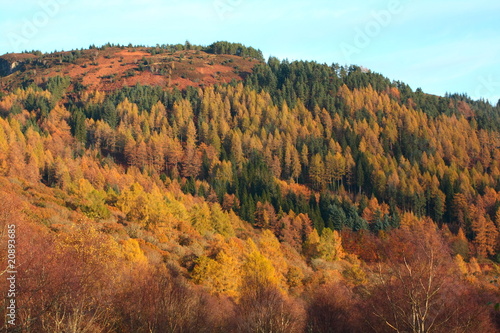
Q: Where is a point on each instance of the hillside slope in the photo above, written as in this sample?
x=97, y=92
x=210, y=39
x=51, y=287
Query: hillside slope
x=201, y=189
x=112, y=67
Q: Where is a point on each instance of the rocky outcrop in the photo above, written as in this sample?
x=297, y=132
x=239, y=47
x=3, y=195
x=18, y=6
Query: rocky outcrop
x=8, y=67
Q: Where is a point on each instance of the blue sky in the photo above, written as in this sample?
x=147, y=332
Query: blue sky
x=439, y=45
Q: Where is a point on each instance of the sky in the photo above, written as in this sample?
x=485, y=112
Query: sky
x=438, y=45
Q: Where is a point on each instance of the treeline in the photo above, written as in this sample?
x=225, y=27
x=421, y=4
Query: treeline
x=317, y=85
x=234, y=49
x=221, y=47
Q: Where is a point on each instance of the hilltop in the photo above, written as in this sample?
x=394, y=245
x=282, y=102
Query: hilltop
x=111, y=67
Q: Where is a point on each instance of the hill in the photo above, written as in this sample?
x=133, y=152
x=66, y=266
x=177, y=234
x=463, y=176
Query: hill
x=188, y=189
x=111, y=67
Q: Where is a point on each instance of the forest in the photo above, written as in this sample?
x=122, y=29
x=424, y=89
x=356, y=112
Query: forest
x=295, y=197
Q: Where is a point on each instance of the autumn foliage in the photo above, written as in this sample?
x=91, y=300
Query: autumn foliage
x=306, y=198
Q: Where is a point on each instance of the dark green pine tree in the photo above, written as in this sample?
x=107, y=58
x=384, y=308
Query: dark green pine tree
x=336, y=217
x=109, y=114
x=352, y=216
x=78, y=127
x=360, y=176
x=359, y=224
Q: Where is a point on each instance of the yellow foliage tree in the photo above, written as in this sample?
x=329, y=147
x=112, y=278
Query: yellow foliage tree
x=219, y=275
x=330, y=245
x=258, y=270
x=133, y=252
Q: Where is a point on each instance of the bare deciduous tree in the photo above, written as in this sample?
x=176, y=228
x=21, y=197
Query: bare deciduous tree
x=419, y=289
